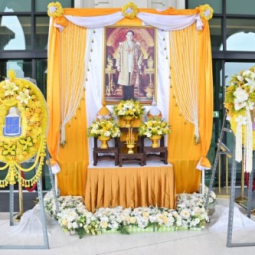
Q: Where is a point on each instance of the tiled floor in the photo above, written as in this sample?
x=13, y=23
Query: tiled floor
x=201, y=242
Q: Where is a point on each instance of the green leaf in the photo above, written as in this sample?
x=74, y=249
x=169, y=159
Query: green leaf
x=123, y=230
x=80, y=232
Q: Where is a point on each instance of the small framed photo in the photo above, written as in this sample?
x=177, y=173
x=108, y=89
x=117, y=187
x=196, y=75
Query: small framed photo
x=130, y=65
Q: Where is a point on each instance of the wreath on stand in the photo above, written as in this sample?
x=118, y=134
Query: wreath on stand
x=23, y=125
x=240, y=105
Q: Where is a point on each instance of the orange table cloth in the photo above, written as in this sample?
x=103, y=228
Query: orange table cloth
x=130, y=186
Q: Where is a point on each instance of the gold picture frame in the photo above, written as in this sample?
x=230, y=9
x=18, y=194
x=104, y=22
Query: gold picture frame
x=130, y=64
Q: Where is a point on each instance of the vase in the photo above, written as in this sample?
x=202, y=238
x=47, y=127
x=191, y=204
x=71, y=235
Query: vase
x=104, y=141
x=155, y=139
x=128, y=120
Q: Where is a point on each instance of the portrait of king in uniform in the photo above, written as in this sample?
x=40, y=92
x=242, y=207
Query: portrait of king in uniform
x=130, y=64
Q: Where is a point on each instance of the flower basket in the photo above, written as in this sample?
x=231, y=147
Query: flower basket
x=128, y=110
x=104, y=130
x=154, y=129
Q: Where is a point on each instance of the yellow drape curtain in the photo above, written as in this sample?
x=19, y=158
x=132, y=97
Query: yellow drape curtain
x=73, y=157
x=184, y=154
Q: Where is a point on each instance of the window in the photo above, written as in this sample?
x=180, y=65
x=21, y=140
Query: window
x=232, y=31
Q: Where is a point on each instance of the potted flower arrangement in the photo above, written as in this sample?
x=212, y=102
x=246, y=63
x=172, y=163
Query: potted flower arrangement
x=104, y=130
x=154, y=129
x=239, y=102
x=128, y=110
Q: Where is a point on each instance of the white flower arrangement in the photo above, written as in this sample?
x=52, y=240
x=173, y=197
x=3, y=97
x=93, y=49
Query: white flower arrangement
x=73, y=216
x=239, y=102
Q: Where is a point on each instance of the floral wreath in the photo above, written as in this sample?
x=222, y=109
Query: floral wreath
x=205, y=11
x=239, y=102
x=30, y=109
x=130, y=10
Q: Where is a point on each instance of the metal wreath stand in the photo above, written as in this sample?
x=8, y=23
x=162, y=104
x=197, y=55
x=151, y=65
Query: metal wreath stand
x=233, y=183
x=42, y=210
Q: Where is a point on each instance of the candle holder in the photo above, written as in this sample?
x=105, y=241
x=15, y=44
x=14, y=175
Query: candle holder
x=130, y=141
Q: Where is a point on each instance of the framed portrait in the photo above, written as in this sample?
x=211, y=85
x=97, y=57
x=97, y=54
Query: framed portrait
x=130, y=65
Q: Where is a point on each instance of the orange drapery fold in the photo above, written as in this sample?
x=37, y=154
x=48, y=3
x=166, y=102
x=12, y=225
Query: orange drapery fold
x=73, y=157
x=130, y=187
x=90, y=12
x=53, y=92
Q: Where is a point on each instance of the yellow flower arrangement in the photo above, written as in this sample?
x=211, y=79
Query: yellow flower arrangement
x=206, y=11
x=128, y=108
x=104, y=128
x=30, y=108
x=130, y=10
x=55, y=10
x=154, y=127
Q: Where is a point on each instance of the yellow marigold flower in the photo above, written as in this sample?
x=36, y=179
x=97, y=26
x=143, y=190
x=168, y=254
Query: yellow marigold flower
x=130, y=10
x=206, y=11
x=55, y=10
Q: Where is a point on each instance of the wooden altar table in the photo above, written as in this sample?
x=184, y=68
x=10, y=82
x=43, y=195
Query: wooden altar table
x=130, y=185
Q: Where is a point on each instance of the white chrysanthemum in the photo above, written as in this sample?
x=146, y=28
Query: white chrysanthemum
x=185, y=213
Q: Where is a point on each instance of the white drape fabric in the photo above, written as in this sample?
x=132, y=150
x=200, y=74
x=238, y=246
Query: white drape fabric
x=170, y=22
x=94, y=77
x=95, y=21
x=165, y=22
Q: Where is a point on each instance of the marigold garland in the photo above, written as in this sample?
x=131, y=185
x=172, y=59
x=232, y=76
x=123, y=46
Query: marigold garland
x=29, y=101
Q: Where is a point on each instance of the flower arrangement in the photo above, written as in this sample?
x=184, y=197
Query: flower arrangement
x=240, y=95
x=23, y=102
x=104, y=128
x=154, y=127
x=239, y=102
x=73, y=216
x=129, y=10
x=206, y=11
x=128, y=108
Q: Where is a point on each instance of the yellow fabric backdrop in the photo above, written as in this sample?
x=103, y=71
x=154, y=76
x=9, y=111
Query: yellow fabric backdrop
x=183, y=153
x=73, y=157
